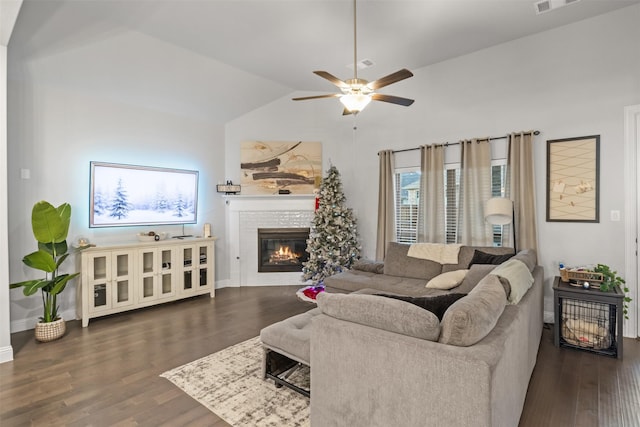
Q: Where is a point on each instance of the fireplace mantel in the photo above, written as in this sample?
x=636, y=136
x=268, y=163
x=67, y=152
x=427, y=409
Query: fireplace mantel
x=278, y=202
x=247, y=213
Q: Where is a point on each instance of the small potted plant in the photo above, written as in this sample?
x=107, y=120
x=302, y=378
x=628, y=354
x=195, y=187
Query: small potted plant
x=50, y=227
x=610, y=280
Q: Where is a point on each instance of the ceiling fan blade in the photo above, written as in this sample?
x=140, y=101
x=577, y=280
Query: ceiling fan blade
x=331, y=95
x=392, y=99
x=391, y=78
x=333, y=79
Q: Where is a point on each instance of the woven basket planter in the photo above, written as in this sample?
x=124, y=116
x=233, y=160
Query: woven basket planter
x=50, y=331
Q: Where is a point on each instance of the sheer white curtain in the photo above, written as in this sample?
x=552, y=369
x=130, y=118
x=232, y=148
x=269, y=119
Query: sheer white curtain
x=386, y=203
x=475, y=190
x=522, y=189
x=431, y=214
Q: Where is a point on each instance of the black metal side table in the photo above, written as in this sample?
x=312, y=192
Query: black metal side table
x=588, y=319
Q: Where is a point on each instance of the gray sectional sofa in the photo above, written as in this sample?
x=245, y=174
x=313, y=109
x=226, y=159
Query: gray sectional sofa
x=382, y=362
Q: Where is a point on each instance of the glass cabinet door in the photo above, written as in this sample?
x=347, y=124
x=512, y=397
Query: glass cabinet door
x=148, y=269
x=99, y=282
x=203, y=264
x=189, y=262
x=167, y=275
x=157, y=270
x=121, y=283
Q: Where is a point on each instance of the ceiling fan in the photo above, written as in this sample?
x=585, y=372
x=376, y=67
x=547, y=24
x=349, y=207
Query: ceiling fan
x=357, y=93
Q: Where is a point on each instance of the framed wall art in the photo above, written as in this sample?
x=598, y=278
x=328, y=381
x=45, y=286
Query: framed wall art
x=275, y=167
x=573, y=179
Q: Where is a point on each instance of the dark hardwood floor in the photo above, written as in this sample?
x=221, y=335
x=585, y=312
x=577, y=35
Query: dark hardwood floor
x=108, y=374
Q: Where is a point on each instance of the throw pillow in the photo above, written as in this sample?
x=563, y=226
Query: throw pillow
x=480, y=257
x=519, y=277
x=473, y=277
x=438, y=305
x=381, y=313
x=447, y=280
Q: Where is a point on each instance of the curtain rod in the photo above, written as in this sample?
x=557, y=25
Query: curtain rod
x=446, y=144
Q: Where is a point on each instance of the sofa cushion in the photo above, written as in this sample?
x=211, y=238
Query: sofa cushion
x=381, y=313
x=368, y=266
x=447, y=280
x=480, y=257
x=291, y=336
x=473, y=277
x=518, y=276
x=471, y=318
x=397, y=263
x=438, y=305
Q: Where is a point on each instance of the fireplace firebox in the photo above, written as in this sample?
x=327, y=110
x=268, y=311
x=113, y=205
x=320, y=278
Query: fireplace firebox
x=282, y=249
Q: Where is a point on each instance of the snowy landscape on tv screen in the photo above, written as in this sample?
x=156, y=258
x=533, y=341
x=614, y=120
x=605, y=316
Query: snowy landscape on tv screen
x=140, y=195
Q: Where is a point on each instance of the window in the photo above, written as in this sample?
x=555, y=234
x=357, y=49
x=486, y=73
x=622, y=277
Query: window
x=407, y=198
x=499, y=189
x=407, y=189
x=451, y=200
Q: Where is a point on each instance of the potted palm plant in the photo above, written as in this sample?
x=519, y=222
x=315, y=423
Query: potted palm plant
x=50, y=227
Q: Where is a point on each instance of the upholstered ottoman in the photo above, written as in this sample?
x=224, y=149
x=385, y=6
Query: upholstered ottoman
x=286, y=346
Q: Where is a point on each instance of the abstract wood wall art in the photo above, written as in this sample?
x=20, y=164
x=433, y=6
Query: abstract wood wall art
x=573, y=185
x=269, y=167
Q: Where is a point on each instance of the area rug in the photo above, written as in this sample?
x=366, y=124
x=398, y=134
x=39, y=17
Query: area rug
x=229, y=383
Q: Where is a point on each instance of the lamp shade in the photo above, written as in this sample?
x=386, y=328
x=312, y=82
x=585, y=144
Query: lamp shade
x=498, y=211
x=355, y=102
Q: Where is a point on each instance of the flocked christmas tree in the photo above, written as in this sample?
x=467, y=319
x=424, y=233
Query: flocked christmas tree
x=333, y=238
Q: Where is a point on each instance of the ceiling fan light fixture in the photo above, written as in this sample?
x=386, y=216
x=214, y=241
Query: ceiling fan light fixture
x=355, y=102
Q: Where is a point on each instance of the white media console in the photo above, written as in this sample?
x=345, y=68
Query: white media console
x=123, y=277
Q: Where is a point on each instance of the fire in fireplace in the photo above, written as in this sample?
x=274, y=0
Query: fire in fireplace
x=282, y=249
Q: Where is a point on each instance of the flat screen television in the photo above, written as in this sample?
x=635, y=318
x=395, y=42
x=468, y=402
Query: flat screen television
x=129, y=195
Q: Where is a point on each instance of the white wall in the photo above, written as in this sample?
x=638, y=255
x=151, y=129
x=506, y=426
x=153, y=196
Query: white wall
x=8, y=14
x=568, y=82
x=56, y=130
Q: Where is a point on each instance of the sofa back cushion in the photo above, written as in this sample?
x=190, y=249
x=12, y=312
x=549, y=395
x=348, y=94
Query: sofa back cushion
x=471, y=318
x=397, y=263
x=529, y=257
x=383, y=313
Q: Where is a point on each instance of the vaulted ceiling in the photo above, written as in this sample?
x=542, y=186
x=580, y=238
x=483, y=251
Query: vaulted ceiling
x=218, y=59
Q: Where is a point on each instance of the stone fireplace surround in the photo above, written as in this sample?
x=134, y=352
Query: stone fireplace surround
x=245, y=214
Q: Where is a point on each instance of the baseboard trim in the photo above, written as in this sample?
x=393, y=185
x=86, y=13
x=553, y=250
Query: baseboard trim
x=26, y=324
x=224, y=284
x=6, y=354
